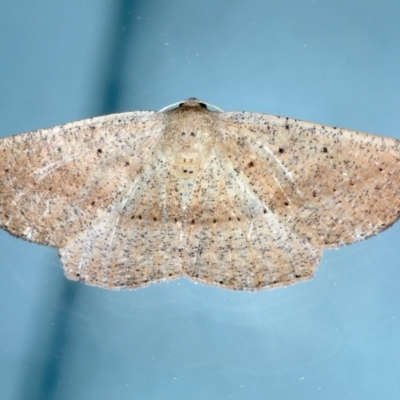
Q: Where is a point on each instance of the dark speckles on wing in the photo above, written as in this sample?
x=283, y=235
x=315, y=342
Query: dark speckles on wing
x=329, y=175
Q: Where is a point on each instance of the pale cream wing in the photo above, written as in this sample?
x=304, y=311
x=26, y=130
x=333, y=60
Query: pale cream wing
x=233, y=240
x=327, y=185
x=56, y=183
x=137, y=240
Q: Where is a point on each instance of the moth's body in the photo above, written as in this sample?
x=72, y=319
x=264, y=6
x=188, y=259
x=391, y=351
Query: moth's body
x=238, y=200
x=189, y=137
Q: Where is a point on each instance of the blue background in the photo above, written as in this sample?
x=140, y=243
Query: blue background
x=337, y=336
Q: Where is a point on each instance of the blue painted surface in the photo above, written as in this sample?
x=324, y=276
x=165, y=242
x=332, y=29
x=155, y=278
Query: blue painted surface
x=334, y=337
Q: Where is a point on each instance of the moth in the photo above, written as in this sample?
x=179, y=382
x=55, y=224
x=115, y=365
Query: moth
x=240, y=200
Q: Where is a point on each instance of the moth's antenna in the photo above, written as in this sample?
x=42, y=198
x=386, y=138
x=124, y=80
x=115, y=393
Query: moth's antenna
x=190, y=102
x=171, y=106
x=212, y=106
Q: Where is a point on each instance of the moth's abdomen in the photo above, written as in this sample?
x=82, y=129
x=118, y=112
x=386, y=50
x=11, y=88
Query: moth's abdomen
x=186, y=170
x=190, y=144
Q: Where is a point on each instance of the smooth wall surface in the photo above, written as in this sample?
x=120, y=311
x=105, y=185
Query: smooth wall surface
x=334, y=337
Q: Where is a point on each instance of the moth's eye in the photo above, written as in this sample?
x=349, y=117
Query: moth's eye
x=202, y=105
x=181, y=104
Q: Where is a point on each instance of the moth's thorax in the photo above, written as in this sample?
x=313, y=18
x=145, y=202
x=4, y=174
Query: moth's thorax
x=190, y=134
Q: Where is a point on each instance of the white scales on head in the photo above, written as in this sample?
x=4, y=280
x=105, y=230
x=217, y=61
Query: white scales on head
x=239, y=200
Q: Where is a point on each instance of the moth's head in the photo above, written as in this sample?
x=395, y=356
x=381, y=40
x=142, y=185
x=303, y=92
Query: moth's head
x=191, y=104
